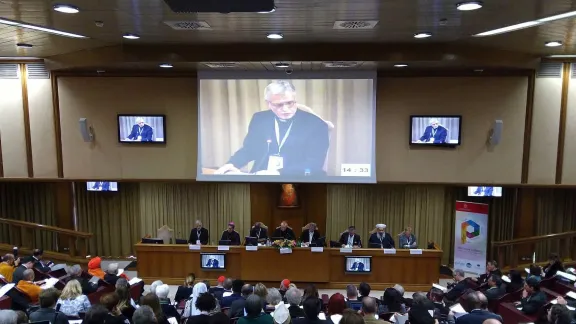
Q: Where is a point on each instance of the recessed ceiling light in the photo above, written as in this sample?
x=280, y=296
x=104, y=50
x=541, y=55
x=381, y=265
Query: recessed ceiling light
x=553, y=43
x=131, y=36
x=24, y=45
x=166, y=65
x=265, y=12
x=400, y=65
x=422, y=35
x=66, y=8
x=275, y=36
x=469, y=5
x=282, y=65
x=39, y=28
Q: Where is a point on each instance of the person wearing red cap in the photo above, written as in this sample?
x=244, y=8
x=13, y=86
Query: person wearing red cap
x=219, y=289
x=231, y=235
x=284, y=286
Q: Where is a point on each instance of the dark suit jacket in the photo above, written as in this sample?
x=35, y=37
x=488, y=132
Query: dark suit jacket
x=551, y=269
x=344, y=239
x=484, y=277
x=387, y=241
x=457, y=291
x=287, y=234
x=18, y=274
x=234, y=237
x=183, y=293
x=495, y=292
x=146, y=133
x=169, y=310
x=296, y=312
x=40, y=266
x=227, y=301
x=48, y=314
x=305, y=147
x=237, y=308
x=477, y=316
x=305, y=237
x=532, y=303
x=111, y=279
x=439, y=136
x=204, y=236
x=262, y=231
x=87, y=286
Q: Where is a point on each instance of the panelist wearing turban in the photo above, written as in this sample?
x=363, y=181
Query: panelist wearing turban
x=381, y=238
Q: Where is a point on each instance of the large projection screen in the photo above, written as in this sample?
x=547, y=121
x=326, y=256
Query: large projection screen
x=274, y=127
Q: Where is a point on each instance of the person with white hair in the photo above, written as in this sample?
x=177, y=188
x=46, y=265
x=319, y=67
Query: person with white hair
x=380, y=239
x=8, y=316
x=144, y=315
x=435, y=133
x=199, y=234
x=111, y=275
x=141, y=132
x=155, y=285
x=169, y=310
x=282, y=140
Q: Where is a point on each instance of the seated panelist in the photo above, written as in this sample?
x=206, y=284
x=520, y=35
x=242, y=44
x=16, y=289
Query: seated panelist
x=407, y=240
x=310, y=233
x=199, y=234
x=259, y=231
x=380, y=237
x=350, y=238
x=231, y=235
x=284, y=231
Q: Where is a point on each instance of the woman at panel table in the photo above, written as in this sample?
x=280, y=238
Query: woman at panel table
x=231, y=235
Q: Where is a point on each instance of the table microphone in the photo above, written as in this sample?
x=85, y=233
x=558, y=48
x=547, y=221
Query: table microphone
x=268, y=141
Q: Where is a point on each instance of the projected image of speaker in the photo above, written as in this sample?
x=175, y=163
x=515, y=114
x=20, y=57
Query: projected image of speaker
x=137, y=129
x=358, y=265
x=213, y=261
x=306, y=129
x=102, y=186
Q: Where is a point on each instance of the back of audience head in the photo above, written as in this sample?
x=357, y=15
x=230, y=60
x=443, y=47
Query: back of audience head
x=154, y=303
x=96, y=314
x=496, y=280
x=74, y=270
x=205, y=302
x=122, y=283
x=351, y=317
x=553, y=258
x=312, y=307
x=227, y=284
x=476, y=300
x=110, y=301
x=112, y=268
x=364, y=289
x=22, y=317
x=274, y=297
x=533, y=284
x=144, y=315
x=253, y=306
x=28, y=275
x=8, y=316
x=559, y=314
x=293, y=296
x=535, y=270
x=351, y=292
x=369, y=306
x=393, y=300
x=237, y=286
x=491, y=321
x=436, y=295
x=154, y=285
x=400, y=289
x=336, y=304
x=418, y=297
x=260, y=290
x=190, y=278
x=247, y=290
x=162, y=291
x=71, y=290
x=311, y=291
x=515, y=276
x=49, y=297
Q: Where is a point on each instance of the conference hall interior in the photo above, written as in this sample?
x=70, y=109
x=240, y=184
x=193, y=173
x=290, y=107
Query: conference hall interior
x=287, y=161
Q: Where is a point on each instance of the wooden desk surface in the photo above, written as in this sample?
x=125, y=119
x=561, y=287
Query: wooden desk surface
x=172, y=262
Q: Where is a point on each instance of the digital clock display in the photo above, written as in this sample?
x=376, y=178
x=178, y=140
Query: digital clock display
x=355, y=170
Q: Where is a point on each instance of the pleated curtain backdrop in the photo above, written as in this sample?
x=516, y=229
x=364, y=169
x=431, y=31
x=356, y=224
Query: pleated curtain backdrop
x=30, y=202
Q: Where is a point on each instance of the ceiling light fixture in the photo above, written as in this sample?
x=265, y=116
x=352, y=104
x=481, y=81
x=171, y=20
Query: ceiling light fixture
x=66, y=8
x=24, y=45
x=282, y=65
x=527, y=24
x=553, y=43
x=39, y=28
x=166, y=65
x=131, y=36
x=275, y=36
x=556, y=17
x=562, y=56
x=265, y=12
x=469, y=5
x=401, y=65
x=422, y=35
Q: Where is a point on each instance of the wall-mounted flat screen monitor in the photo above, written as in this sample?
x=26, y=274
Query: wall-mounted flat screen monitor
x=102, y=186
x=213, y=261
x=255, y=127
x=483, y=191
x=435, y=130
x=141, y=128
x=358, y=265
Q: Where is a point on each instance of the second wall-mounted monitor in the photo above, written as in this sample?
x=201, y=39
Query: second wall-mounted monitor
x=435, y=130
x=141, y=129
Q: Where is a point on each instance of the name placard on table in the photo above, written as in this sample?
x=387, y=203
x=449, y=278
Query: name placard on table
x=389, y=251
x=345, y=250
x=194, y=247
x=251, y=248
x=415, y=251
x=223, y=247
x=317, y=249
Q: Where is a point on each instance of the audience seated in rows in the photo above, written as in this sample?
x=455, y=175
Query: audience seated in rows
x=75, y=272
x=94, y=269
x=254, y=314
x=25, y=264
x=273, y=299
x=312, y=308
x=219, y=289
x=47, y=312
x=72, y=302
x=393, y=301
x=532, y=297
x=459, y=278
x=559, y=314
x=495, y=288
x=516, y=281
x=237, y=306
x=351, y=295
x=110, y=302
x=153, y=302
x=294, y=298
x=185, y=291
x=554, y=265
x=27, y=286
x=7, y=266
x=236, y=294
x=206, y=303
x=477, y=307
x=144, y=315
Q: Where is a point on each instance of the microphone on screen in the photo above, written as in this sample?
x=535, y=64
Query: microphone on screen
x=268, y=141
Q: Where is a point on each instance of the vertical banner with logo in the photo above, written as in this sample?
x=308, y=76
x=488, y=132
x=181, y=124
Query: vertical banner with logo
x=471, y=239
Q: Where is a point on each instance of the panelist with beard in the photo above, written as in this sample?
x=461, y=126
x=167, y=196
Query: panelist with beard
x=283, y=140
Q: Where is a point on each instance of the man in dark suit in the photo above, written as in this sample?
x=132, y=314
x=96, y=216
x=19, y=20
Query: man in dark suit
x=311, y=234
x=199, y=233
x=453, y=294
x=495, y=288
x=46, y=312
x=358, y=266
x=380, y=237
x=284, y=231
x=39, y=263
x=25, y=264
x=259, y=232
x=532, y=298
x=231, y=235
x=312, y=307
x=141, y=131
x=237, y=307
x=101, y=185
x=435, y=133
x=236, y=293
x=209, y=263
x=491, y=269
x=282, y=140
x=477, y=307
x=215, y=263
x=350, y=238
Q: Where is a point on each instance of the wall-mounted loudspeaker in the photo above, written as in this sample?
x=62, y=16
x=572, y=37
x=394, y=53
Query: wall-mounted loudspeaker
x=496, y=133
x=85, y=130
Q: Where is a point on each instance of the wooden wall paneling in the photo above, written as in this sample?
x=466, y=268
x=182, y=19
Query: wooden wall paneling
x=261, y=206
x=64, y=211
x=524, y=223
x=57, y=129
x=562, y=126
x=26, y=112
x=528, y=127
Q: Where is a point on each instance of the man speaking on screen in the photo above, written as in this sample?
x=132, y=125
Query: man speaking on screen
x=435, y=133
x=283, y=140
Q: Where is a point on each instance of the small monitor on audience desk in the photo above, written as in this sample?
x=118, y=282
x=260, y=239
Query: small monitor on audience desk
x=357, y=265
x=152, y=241
x=224, y=242
x=213, y=261
x=319, y=242
x=181, y=241
x=251, y=240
